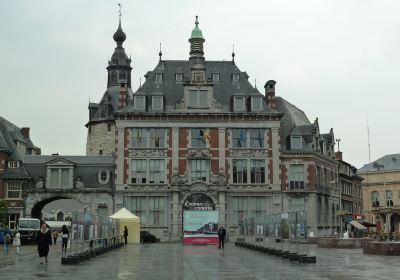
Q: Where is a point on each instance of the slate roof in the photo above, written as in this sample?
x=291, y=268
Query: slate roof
x=385, y=163
x=80, y=160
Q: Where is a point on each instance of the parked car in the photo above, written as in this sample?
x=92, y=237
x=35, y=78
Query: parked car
x=146, y=236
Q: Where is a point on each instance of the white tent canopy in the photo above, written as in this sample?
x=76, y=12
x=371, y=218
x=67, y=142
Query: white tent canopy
x=124, y=213
x=126, y=219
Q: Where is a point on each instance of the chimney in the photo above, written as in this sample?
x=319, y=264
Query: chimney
x=25, y=132
x=122, y=96
x=270, y=94
x=339, y=155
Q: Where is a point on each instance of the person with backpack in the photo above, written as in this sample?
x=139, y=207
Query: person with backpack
x=7, y=237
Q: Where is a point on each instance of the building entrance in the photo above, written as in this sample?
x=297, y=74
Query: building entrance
x=200, y=220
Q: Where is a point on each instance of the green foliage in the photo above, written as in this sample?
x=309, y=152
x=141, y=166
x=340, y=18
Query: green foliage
x=3, y=213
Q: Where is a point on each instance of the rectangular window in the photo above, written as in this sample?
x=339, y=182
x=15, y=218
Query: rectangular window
x=139, y=137
x=239, y=171
x=235, y=77
x=139, y=171
x=198, y=137
x=156, y=209
x=239, y=104
x=156, y=171
x=295, y=142
x=257, y=138
x=199, y=170
x=257, y=171
x=65, y=177
x=240, y=209
x=389, y=198
x=239, y=138
x=178, y=77
x=198, y=99
x=13, y=164
x=157, y=102
x=159, y=77
x=256, y=103
x=13, y=190
x=296, y=177
x=157, y=138
x=122, y=76
x=215, y=77
x=137, y=205
x=54, y=177
x=139, y=103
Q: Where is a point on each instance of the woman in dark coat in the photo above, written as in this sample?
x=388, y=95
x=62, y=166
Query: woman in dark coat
x=65, y=237
x=43, y=241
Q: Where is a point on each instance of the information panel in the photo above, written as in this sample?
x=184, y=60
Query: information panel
x=200, y=227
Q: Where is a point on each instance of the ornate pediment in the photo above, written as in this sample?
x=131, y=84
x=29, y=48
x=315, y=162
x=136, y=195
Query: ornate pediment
x=198, y=154
x=60, y=162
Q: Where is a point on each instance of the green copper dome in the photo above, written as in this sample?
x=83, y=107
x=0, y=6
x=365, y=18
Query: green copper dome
x=196, y=32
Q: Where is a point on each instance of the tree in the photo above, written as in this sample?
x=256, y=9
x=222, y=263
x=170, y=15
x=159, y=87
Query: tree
x=3, y=213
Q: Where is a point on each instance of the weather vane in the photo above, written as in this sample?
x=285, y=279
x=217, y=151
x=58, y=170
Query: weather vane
x=119, y=4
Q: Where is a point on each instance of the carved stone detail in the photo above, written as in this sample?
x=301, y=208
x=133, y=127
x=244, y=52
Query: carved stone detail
x=148, y=153
x=249, y=153
x=218, y=179
x=179, y=179
x=198, y=154
x=180, y=105
x=217, y=105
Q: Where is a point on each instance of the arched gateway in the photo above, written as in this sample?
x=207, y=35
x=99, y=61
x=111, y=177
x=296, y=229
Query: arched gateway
x=87, y=179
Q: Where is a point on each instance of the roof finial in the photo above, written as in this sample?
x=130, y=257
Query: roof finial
x=338, y=144
x=233, y=53
x=160, y=53
x=255, y=83
x=119, y=4
x=119, y=35
x=140, y=82
x=197, y=21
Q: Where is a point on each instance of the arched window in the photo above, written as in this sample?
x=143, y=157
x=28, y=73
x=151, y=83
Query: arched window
x=375, y=199
x=60, y=216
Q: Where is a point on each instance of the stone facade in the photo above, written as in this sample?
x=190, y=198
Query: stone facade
x=101, y=139
x=381, y=192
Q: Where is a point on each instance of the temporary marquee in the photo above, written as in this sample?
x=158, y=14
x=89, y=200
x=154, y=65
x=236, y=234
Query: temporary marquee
x=132, y=222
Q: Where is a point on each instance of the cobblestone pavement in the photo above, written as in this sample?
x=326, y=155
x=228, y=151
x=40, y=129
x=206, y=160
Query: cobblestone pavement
x=175, y=261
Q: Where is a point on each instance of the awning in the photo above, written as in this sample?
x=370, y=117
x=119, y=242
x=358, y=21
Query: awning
x=366, y=224
x=357, y=225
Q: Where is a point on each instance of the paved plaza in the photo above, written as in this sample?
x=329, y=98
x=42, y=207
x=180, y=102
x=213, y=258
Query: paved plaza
x=176, y=261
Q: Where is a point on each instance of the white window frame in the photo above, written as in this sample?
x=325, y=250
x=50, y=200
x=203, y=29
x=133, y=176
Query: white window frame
x=159, y=78
x=147, y=172
x=198, y=99
x=195, y=134
x=236, y=136
x=262, y=173
x=13, y=164
x=259, y=138
x=292, y=146
x=59, y=184
x=146, y=137
x=100, y=177
x=206, y=170
x=157, y=171
x=256, y=103
x=139, y=102
x=215, y=77
x=178, y=77
x=240, y=176
x=239, y=104
x=142, y=171
x=13, y=187
x=297, y=177
x=153, y=107
x=235, y=77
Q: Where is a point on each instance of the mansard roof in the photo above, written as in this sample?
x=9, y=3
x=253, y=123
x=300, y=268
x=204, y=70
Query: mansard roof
x=386, y=163
x=173, y=90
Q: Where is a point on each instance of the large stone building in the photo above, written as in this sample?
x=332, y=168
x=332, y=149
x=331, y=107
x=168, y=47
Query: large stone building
x=15, y=142
x=381, y=192
x=197, y=131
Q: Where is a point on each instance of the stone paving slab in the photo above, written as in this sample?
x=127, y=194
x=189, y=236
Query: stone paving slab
x=176, y=261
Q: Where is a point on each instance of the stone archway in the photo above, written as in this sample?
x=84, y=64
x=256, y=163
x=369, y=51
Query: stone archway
x=92, y=202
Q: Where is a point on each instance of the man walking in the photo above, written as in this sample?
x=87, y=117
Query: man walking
x=221, y=236
x=126, y=235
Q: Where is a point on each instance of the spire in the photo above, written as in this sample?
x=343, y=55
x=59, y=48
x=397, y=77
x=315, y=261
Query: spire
x=233, y=53
x=119, y=35
x=196, y=41
x=160, y=53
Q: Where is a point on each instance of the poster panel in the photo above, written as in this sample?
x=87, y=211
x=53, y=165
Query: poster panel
x=200, y=227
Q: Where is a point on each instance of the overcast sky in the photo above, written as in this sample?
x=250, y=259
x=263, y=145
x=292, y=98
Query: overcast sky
x=336, y=60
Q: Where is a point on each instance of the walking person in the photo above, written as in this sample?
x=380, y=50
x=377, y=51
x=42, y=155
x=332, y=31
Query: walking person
x=43, y=241
x=54, y=234
x=126, y=235
x=17, y=241
x=7, y=237
x=64, y=238
x=221, y=237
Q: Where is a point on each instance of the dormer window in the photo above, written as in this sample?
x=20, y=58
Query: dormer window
x=156, y=102
x=159, y=77
x=256, y=103
x=13, y=164
x=215, y=77
x=295, y=142
x=239, y=104
x=178, y=77
x=139, y=102
x=235, y=77
x=198, y=99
